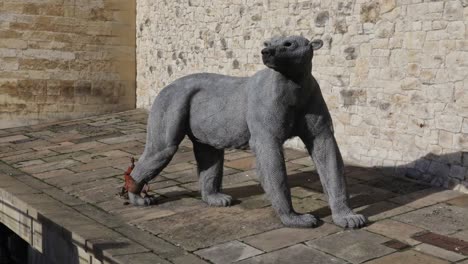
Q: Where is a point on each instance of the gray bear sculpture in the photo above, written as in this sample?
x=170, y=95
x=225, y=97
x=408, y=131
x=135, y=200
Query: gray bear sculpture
x=262, y=111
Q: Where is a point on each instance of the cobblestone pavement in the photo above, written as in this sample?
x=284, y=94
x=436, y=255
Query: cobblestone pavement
x=80, y=164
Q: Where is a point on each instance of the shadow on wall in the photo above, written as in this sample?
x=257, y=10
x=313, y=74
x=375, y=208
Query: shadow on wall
x=446, y=170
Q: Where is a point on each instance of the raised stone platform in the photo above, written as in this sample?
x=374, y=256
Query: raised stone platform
x=58, y=186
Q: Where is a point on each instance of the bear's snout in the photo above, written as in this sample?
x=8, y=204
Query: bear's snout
x=268, y=52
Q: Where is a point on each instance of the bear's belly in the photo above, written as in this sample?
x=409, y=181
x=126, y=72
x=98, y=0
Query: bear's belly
x=219, y=121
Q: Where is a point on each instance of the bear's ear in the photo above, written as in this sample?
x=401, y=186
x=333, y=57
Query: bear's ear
x=316, y=44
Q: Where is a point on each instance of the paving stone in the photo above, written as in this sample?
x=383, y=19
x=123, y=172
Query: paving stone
x=122, y=139
x=136, y=216
x=98, y=194
x=396, y=230
x=78, y=147
x=239, y=177
x=439, y=252
x=4, y=152
x=355, y=246
x=162, y=184
x=99, y=215
x=396, y=244
x=173, y=191
x=284, y=237
x=397, y=185
x=182, y=204
x=297, y=254
x=99, y=155
x=150, y=241
x=211, y=225
x=181, y=157
x=109, y=247
x=28, y=156
x=63, y=197
x=229, y=252
x=305, y=179
x=426, y=197
x=292, y=167
x=407, y=257
x=70, y=179
x=301, y=192
x=237, y=155
x=189, y=174
x=382, y=210
x=141, y=258
x=120, y=146
x=361, y=194
x=12, y=138
x=463, y=235
x=33, y=182
x=306, y=161
x=247, y=163
x=53, y=173
x=28, y=163
x=308, y=169
x=461, y=201
x=365, y=174
x=311, y=205
x=178, y=167
x=188, y=258
x=254, y=202
x=102, y=163
x=72, y=155
x=50, y=166
x=439, y=218
x=292, y=154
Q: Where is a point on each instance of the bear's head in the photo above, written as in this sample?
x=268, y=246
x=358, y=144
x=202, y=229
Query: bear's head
x=290, y=55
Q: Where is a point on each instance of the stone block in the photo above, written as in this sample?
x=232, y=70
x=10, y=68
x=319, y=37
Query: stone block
x=228, y=252
x=409, y=256
x=354, y=246
x=300, y=254
x=284, y=237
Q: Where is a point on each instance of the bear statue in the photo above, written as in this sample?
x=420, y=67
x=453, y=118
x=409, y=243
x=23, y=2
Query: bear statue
x=219, y=112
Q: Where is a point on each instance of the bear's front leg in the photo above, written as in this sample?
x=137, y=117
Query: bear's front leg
x=329, y=164
x=272, y=172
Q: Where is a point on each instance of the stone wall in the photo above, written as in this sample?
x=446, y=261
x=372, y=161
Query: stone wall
x=393, y=72
x=65, y=59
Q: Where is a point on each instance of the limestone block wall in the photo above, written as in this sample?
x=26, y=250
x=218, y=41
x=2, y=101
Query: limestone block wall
x=64, y=59
x=393, y=72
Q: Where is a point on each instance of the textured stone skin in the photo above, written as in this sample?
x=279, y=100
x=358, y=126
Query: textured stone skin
x=262, y=111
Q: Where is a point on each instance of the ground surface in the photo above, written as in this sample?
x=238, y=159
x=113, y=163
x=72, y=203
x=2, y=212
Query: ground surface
x=410, y=222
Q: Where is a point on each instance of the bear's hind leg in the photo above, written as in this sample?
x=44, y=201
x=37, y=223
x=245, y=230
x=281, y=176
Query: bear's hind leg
x=210, y=170
x=164, y=134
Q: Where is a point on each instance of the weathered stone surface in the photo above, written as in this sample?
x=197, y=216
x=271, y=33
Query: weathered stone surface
x=426, y=197
x=382, y=210
x=296, y=254
x=442, y=219
x=354, y=246
x=395, y=229
x=213, y=225
x=409, y=256
x=284, y=237
x=439, y=252
x=228, y=252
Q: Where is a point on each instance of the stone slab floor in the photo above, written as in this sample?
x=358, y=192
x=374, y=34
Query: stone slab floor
x=80, y=164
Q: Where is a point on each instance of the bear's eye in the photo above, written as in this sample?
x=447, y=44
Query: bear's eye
x=266, y=44
x=287, y=44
